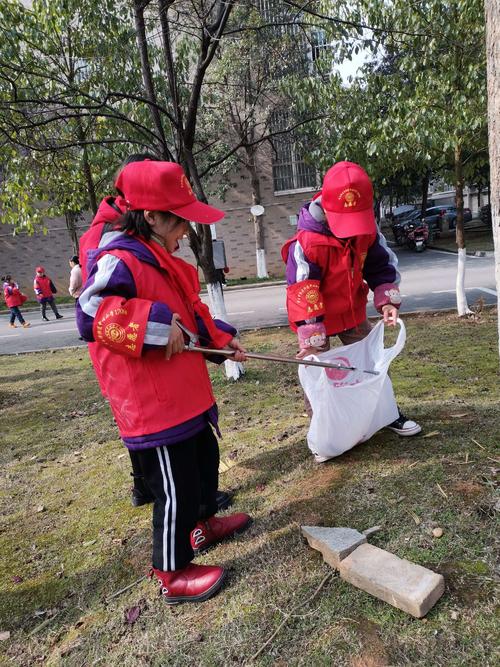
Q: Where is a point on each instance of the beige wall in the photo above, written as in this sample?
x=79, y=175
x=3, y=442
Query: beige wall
x=19, y=255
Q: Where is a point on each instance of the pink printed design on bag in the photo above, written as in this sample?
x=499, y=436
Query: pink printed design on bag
x=337, y=373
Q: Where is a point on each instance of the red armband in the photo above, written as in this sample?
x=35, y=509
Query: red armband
x=304, y=300
x=120, y=324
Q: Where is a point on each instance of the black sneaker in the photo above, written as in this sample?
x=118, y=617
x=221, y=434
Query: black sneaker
x=141, y=495
x=404, y=426
x=46, y=319
x=224, y=500
x=59, y=317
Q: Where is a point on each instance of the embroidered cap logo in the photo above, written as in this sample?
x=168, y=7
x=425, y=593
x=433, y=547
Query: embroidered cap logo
x=350, y=196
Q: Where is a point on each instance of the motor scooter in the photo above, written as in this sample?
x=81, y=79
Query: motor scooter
x=416, y=236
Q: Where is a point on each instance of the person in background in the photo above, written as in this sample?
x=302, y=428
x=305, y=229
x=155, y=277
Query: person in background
x=337, y=255
x=44, y=292
x=102, y=229
x=14, y=298
x=75, y=277
x=161, y=396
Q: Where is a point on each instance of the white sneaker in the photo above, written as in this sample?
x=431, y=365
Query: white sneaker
x=404, y=426
x=321, y=459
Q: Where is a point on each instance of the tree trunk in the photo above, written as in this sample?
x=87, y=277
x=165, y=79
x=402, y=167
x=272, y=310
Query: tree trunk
x=493, y=74
x=87, y=172
x=163, y=7
x=258, y=220
x=424, y=192
x=201, y=245
x=462, y=305
x=147, y=78
x=72, y=218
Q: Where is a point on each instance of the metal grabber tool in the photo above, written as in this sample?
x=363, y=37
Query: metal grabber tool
x=193, y=346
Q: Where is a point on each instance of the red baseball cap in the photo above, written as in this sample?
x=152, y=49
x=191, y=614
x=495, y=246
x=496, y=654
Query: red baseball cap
x=347, y=199
x=40, y=269
x=163, y=186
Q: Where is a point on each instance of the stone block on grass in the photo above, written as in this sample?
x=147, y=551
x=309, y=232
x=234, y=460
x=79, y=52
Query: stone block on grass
x=405, y=585
x=335, y=544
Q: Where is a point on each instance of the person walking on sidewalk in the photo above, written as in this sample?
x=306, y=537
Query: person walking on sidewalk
x=334, y=259
x=101, y=231
x=161, y=395
x=44, y=291
x=75, y=277
x=14, y=298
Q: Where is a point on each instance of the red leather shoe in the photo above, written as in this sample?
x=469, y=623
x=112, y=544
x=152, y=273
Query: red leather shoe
x=193, y=583
x=215, y=529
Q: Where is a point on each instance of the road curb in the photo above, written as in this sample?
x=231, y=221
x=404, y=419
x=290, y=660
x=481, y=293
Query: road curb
x=231, y=288
x=471, y=253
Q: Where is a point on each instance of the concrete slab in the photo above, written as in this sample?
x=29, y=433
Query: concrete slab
x=405, y=585
x=334, y=543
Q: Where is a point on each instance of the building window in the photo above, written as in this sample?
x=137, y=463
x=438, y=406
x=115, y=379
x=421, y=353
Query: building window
x=290, y=171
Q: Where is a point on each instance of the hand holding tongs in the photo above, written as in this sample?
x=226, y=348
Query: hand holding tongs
x=193, y=346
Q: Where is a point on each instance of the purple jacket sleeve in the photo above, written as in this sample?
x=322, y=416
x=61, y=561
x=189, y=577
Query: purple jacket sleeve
x=111, y=277
x=299, y=267
x=380, y=271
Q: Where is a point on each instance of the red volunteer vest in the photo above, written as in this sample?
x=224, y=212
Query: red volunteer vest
x=15, y=298
x=147, y=393
x=340, y=295
x=43, y=283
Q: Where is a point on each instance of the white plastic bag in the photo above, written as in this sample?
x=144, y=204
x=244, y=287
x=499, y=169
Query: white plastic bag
x=350, y=406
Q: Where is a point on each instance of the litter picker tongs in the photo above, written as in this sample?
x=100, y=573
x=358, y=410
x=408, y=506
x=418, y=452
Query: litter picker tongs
x=193, y=346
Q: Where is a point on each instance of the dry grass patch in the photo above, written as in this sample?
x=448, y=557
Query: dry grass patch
x=69, y=537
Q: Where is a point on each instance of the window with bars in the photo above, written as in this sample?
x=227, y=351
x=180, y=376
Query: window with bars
x=290, y=171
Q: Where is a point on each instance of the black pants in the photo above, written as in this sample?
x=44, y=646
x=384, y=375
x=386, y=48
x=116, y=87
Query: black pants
x=182, y=478
x=52, y=304
x=15, y=312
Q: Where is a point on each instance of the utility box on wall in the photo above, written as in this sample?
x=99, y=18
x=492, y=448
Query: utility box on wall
x=219, y=251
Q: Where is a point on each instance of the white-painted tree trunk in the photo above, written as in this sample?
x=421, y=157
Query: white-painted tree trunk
x=493, y=75
x=234, y=370
x=261, y=263
x=462, y=305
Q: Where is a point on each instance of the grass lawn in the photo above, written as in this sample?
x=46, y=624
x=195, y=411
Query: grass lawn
x=69, y=538
x=474, y=240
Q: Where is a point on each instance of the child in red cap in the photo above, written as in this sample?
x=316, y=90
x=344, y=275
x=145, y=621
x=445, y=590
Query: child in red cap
x=334, y=259
x=101, y=230
x=13, y=299
x=160, y=394
x=44, y=292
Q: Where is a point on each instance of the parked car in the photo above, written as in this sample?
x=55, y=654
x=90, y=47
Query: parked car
x=436, y=215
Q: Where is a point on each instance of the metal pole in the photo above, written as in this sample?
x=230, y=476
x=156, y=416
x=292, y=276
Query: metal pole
x=284, y=360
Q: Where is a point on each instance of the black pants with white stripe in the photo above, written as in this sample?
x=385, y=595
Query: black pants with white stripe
x=183, y=479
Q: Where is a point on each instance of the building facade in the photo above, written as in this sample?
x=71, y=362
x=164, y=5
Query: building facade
x=284, y=188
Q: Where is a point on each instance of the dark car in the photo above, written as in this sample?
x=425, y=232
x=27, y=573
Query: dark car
x=436, y=215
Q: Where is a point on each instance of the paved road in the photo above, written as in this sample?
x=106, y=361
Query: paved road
x=428, y=283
